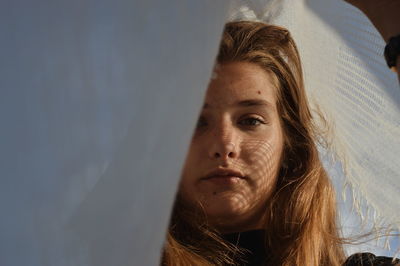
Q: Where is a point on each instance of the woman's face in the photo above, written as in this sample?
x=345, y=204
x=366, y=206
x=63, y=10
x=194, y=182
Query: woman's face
x=234, y=158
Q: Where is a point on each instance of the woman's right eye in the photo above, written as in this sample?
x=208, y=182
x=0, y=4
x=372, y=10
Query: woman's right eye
x=201, y=122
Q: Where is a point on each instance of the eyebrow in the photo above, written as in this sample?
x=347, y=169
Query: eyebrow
x=248, y=103
x=254, y=102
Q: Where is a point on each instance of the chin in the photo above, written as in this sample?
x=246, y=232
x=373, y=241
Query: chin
x=226, y=220
x=224, y=209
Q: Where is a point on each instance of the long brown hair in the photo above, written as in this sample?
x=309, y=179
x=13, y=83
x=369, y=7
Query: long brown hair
x=301, y=228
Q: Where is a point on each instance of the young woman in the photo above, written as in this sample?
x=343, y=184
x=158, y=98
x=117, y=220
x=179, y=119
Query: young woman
x=253, y=189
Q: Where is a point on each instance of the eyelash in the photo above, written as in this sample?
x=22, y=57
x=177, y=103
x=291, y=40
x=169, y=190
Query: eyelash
x=201, y=122
x=252, y=119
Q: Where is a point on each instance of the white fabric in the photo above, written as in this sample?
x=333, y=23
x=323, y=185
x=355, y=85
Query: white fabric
x=98, y=101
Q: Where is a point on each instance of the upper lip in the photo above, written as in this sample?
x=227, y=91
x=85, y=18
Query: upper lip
x=223, y=172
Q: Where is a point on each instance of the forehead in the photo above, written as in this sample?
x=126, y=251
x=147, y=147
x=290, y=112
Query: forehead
x=240, y=81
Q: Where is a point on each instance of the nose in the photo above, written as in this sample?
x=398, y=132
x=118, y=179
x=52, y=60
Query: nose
x=223, y=143
x=224, y=152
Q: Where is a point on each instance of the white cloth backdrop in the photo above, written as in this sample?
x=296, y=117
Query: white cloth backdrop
x=99, y=98
x=98, y=101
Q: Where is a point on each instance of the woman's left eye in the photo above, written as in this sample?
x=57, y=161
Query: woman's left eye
x=251, y=121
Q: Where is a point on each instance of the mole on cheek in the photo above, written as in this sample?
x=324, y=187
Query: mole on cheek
x=214, y=193
x=259, y=92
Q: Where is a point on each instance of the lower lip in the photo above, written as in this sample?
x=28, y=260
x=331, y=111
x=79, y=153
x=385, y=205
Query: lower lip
x=224, y=180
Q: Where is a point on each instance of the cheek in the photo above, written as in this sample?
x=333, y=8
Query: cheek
x=193, y=157
x=262, y=159
x=190, y=167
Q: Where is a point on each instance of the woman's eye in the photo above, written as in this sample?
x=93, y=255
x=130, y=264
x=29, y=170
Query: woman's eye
x=251, y=121
x=201, y=122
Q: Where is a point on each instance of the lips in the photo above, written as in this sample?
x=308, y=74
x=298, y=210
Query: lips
x=223, y=173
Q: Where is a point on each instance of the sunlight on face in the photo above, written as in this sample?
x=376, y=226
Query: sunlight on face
x=233, y=161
